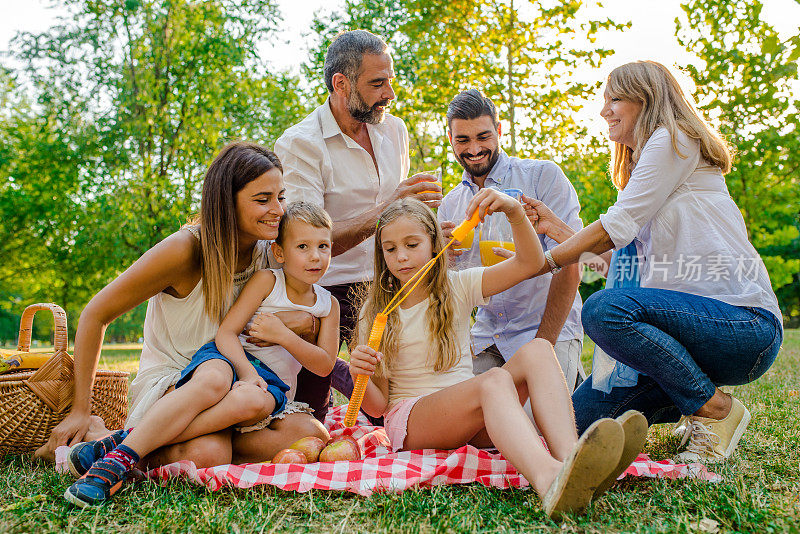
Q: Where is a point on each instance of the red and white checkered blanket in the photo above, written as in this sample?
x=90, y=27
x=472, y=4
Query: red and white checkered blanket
x=382, y=470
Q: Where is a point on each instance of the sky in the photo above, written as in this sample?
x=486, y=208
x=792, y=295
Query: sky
x=651, y=35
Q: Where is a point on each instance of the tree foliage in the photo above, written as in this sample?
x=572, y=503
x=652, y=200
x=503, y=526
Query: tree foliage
x=522, y=54
x=745, y=87
x=127, y=104
x=109, y=118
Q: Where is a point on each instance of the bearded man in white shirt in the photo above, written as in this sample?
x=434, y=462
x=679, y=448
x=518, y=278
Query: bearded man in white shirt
x=350, y=157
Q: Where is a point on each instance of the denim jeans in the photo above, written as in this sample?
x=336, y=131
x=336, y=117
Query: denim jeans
x=683, y=345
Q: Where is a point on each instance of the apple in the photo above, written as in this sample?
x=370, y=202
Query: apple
x=340, y=448
x=289, y=456
x=310, y=447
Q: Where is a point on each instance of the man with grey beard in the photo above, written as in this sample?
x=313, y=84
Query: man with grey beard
x=351, y=157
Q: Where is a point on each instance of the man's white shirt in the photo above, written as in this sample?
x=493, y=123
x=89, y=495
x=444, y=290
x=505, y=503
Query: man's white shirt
x=324, y=166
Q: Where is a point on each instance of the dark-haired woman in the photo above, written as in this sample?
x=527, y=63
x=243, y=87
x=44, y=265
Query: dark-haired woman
x=189, y=280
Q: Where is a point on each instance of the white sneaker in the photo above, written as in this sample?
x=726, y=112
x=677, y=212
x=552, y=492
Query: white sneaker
x=714, y=440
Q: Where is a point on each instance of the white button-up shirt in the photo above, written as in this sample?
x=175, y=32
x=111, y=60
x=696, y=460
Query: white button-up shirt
x=323, y=165
x=693, y=236
x=511, y=318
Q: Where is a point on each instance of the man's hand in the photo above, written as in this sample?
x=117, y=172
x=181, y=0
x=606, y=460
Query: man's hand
x=503, y=252
x=447, y=233
x=422, y=187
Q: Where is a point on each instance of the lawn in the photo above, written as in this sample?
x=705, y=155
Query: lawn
x=759, y=493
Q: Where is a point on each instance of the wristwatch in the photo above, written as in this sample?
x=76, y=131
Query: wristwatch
x=554, y=267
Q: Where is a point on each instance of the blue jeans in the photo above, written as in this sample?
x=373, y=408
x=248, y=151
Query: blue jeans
x=683, y=345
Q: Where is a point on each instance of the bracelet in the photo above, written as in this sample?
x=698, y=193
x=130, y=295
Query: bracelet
x=554, y=267
x=313, y=326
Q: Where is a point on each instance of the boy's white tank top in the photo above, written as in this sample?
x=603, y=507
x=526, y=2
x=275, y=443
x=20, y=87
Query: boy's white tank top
x=174, y=328
x=276, y=357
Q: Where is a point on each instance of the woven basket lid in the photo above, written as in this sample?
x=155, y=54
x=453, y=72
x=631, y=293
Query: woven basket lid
x=54, y=382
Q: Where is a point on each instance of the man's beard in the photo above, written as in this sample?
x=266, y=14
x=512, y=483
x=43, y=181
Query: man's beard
x=362, y=112
x=481, y=169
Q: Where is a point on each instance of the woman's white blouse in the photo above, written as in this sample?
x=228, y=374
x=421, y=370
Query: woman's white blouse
x=692, y=235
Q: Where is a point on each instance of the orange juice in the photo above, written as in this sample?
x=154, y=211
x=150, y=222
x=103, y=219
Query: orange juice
x=469, y=239
x=488, y=257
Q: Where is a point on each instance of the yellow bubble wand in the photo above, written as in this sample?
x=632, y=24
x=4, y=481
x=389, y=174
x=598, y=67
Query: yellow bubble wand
x=379, y=324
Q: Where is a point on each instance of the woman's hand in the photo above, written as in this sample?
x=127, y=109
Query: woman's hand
x=268, y=328
x=364, y=360
x=489, y=201
x=545, y=221
x=69, y=431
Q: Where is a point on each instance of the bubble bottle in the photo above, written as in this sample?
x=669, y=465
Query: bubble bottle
x=495, y=231
x=469, y=256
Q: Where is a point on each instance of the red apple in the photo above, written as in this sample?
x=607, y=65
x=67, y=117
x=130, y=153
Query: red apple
x=340, y=448
x=289, y=456
x=310, y=447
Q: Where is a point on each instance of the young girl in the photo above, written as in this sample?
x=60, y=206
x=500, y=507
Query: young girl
x=304, y=247
x=422, y=378
x=190, y=279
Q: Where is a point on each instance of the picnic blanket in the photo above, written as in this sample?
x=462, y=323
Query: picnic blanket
x=384, y=471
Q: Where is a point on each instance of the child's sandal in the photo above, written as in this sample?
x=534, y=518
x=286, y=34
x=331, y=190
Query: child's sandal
x=82, y=455
x=98, y=484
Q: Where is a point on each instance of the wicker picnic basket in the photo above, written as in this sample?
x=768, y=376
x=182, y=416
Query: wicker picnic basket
x=32, y=403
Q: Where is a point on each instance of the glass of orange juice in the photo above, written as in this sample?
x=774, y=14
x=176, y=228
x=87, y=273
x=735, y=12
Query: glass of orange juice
x=437, y=175
x=495, y=232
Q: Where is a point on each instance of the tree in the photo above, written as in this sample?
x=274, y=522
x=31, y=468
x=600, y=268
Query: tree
x=521, y=53
x=746, y=88
x=127, y=102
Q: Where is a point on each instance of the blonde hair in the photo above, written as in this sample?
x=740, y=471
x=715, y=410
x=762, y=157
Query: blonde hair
x=235, y=166
x=376, y=295
x=663, y=105
x=307, y=212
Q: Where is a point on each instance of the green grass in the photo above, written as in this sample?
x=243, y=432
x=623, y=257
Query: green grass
x=759, y=493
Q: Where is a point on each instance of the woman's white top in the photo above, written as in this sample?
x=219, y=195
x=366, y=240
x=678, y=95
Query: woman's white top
x=276, y=357
x=692, y=234
x=174, y=328
x=412, y=373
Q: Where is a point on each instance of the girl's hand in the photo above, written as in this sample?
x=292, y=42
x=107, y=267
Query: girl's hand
x=269, y=328
x=489, y=201
x=364, y=360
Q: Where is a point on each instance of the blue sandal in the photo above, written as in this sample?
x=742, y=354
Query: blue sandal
x=82, y=455
x=100, y=482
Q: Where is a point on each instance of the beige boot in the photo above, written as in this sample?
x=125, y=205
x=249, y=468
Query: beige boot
x=714, y=440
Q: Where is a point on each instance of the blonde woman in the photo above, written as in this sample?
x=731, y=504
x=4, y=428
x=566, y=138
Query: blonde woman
x=189, y=281
x=705, y=314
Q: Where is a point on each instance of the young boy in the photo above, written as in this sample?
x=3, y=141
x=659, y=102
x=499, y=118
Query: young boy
x=268, y=374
